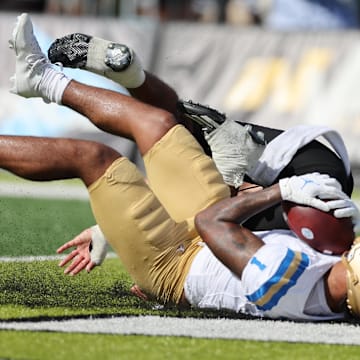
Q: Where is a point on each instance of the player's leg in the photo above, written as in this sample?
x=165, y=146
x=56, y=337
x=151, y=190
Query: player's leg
x=183, y=177
x=134, y=222
x=155, y=250
x=113, y=112
x=42, y=159
x=126, y=116
x=119, y=114
x=115, y=61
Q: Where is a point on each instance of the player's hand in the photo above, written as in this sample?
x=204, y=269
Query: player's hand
x=344, y=208
x=99, y=245
x=135, y=290
x=234, y=150
x=311, y=190
x=79, y=258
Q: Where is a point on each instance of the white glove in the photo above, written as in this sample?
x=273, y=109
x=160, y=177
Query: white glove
x=234, y=151
x=344, y=208
x=99, y=245
x=309, y=189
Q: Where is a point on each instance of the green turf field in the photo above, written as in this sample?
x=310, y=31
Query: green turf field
x=34, y=290
x=33, y=345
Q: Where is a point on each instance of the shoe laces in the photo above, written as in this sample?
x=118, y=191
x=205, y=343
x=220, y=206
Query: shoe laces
x=36, y=62
x=60, y=65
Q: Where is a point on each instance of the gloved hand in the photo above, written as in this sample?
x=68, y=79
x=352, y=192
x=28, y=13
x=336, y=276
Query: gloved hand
x=310, y=189
x=344, y=208
x=234, y=150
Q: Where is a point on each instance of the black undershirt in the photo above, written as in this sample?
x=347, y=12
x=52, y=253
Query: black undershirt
x=314, y=157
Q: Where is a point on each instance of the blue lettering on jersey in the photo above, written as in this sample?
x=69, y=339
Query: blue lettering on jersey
x=258, y=263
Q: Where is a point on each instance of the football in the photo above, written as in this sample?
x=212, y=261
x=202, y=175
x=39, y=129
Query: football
x=321, y=230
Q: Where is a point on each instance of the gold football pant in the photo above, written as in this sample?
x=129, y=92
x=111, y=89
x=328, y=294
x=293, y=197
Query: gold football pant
x=151, y=228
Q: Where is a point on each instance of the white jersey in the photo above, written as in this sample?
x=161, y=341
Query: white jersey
x=284, y=279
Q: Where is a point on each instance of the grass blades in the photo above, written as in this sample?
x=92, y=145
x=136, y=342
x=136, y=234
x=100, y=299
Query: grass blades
x=40, y=226
x=40, y=290
x=43, y=286
x=58, y=346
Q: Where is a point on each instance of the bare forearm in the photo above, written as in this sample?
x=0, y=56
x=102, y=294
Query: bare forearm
x=219, y=227
x=238, y=209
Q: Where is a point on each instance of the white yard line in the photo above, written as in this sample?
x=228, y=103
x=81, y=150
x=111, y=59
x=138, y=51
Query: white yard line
x=43, y=190
x=5, y=259
x=29, y=258
x=260, y=330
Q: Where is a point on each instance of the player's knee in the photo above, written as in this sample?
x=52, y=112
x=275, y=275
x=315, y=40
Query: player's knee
x=96, y=158
x=157, y=125
x=101, y=155
x=166, y=121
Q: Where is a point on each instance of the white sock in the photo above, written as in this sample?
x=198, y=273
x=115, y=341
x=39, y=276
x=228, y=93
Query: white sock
x=53, y=85
x=132, y=77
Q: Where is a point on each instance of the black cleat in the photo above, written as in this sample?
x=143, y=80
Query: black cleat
x=70, y=50
x=73, y=51
x=208, y=118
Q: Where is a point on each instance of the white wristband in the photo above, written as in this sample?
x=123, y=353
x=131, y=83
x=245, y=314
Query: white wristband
x=99, y=245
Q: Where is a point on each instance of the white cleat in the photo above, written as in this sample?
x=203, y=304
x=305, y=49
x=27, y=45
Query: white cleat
x=31, y=62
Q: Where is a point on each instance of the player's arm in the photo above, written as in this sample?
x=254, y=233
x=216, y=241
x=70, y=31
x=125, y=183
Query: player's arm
x=233, y=244
x=218, y=226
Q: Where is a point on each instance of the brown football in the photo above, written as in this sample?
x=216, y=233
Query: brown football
x=321, y=230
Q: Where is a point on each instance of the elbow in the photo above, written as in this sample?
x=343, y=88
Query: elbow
x=204, y=224
x=199, y=222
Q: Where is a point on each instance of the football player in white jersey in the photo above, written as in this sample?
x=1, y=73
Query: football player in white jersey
x=181, y=233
